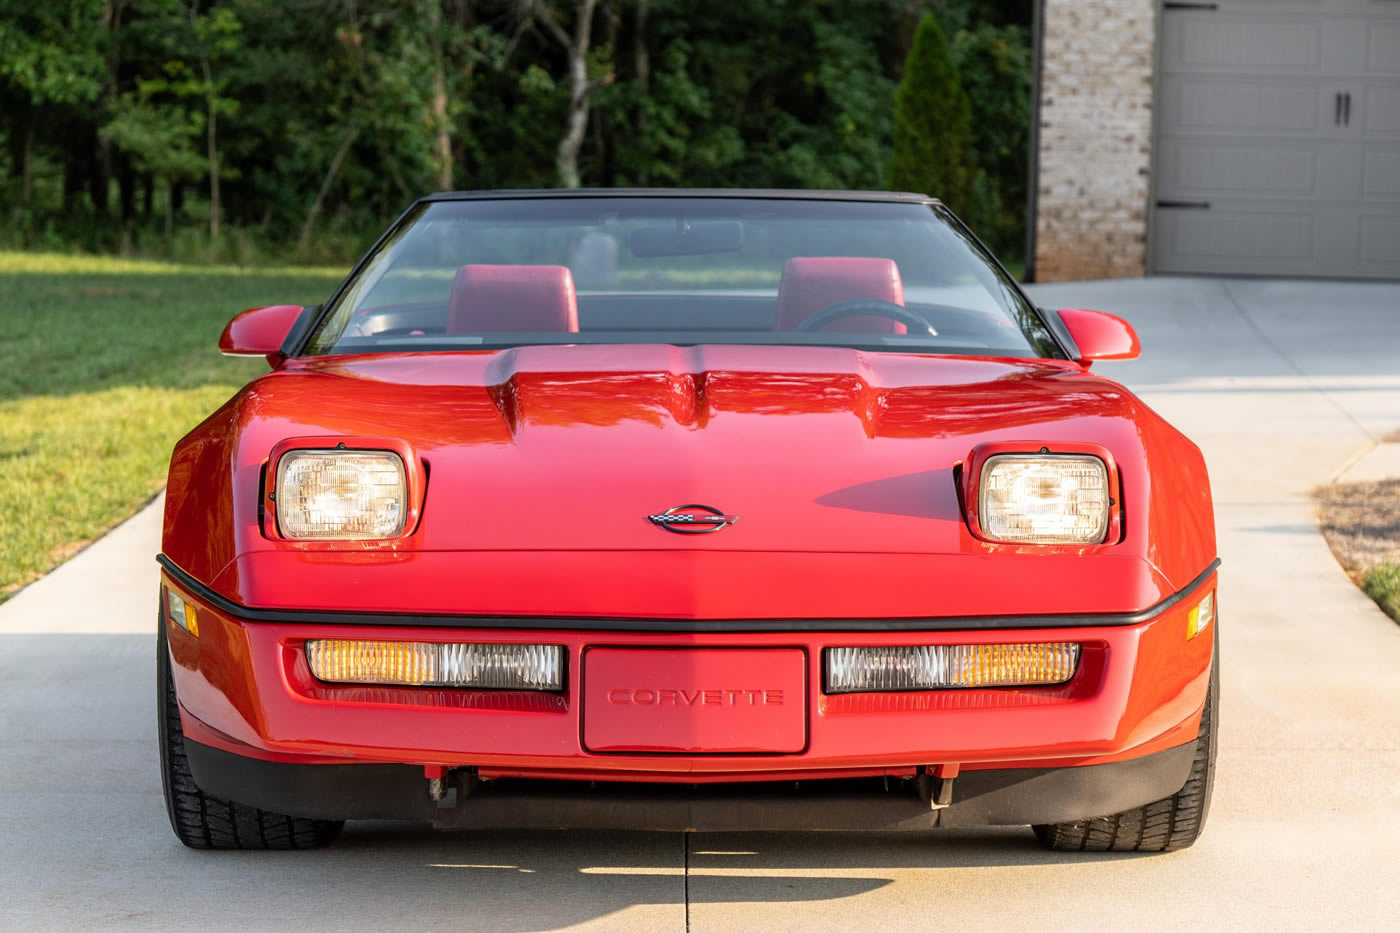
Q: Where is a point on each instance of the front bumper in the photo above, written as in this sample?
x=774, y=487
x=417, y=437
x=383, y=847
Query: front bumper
x=248, y=697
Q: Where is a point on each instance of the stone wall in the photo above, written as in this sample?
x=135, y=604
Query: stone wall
x=1095, y=139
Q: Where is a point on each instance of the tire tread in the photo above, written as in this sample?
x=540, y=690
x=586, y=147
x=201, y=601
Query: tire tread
x=1163, y=826
x=202, y=821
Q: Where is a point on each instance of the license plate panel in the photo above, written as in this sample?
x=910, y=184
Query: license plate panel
x=700, y=701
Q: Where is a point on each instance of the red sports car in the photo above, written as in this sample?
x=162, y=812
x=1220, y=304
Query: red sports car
x=686, y=510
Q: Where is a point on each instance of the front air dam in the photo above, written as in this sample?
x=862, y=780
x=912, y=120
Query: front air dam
x=1001, y=797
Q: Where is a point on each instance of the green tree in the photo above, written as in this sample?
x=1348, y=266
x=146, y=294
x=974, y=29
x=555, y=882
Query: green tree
x=53, y=50
x=933, y=124
x=158, y=138
x=216, y=39
x=158, y=124
x=52, y=62
x=586, y=74
x=306, y=123
x=995, y=63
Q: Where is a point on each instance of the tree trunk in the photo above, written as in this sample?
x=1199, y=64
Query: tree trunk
x=442, y=141
x=614, y=25
x=26, y=190
x=576, y=123
x=148, y=196
x=466, y=15
x=211, y=137
x=566, y=160
x=112, y=16
x=641, y=63
x=126, y=191
x=602, y=126
x=315, y=210
x=211, y=126
x=397, y=175
x=602, y=147
x=72, y=176
x=100, y=174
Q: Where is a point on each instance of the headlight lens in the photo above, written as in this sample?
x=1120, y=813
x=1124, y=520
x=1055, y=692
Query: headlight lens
x=1044, y=498
x=341, y=494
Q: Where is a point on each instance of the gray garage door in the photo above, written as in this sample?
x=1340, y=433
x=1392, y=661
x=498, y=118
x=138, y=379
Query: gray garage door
x=1278, y=138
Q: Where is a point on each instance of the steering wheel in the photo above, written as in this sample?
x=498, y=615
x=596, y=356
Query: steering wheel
x=869, y=307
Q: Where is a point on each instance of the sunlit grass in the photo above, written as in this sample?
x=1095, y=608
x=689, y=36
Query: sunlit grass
x=77, y=264
x=104, y=364
x=1383, y=585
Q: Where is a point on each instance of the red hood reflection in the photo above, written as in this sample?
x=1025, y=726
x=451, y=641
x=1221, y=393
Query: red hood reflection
x=572, y=447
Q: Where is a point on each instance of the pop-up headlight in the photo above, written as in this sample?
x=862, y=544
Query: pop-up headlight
x=1044, y=498
x=341, y=494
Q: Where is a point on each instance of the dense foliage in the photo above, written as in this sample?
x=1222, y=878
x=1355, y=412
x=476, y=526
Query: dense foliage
x=248, y=129
x=933, y=123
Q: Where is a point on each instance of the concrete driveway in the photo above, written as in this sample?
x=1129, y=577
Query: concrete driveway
x=1280, y=382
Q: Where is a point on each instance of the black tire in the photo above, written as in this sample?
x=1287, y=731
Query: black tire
x=1164, y=826
x=201, y=821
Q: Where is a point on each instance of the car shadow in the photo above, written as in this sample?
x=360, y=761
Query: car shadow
x=88, y=841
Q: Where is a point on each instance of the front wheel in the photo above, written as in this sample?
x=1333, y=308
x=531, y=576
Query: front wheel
x=1164, y=826
x=201, y=821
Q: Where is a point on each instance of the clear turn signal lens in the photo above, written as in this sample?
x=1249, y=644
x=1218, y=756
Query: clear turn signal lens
x=182, y=613
x=1201, y=616
x=432, y=664
x=937, y=667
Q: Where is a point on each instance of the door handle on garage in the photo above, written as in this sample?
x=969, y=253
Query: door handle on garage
x=1341, y=111
x=1186, y=205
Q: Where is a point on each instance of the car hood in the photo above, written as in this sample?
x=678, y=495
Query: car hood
x=570, y=448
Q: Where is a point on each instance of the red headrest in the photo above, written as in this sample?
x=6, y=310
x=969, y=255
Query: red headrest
x=815, y=283
x=492, y=299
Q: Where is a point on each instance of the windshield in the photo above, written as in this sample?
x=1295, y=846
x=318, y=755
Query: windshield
x=477, y=274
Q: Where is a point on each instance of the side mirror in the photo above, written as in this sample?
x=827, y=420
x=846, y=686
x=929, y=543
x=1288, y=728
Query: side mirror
x=260, y=332
x=1100, y=336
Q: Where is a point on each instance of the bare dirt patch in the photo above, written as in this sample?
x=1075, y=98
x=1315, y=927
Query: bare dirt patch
x=1361, y=522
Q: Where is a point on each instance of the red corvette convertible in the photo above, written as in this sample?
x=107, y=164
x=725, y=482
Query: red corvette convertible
x=686, y=510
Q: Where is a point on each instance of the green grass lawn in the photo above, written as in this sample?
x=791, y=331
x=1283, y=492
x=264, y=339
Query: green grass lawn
x=104, y=364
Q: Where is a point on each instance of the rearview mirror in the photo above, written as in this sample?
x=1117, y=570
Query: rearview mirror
x=687, y=239
x=260, y=332
x=1100, y=336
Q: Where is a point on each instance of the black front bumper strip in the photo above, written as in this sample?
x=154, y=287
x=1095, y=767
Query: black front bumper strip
x=1003, y=797
x=928, y=624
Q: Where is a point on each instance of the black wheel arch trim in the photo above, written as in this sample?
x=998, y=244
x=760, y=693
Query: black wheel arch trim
x=573, y=623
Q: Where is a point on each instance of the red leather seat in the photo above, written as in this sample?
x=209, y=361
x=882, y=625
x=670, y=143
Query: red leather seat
x=814, y=283
x=495, y=299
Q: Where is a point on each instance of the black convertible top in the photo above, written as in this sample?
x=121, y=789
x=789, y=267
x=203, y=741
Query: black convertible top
x=792, y=194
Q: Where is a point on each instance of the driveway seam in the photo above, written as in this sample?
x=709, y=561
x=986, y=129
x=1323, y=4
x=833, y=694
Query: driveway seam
x=1356, y=457
x=1268, y=341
